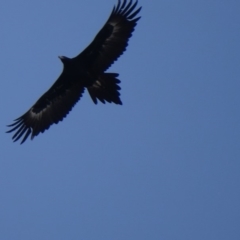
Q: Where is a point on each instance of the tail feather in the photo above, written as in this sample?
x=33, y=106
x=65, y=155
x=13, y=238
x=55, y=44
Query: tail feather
x=106, y=88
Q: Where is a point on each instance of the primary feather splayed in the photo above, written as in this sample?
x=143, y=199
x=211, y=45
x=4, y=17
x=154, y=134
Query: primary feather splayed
x=87, y=70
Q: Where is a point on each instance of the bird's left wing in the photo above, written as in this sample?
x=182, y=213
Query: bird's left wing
x=50, y=108
x=112, y=39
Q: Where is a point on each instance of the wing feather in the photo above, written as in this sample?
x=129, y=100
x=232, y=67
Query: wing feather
x=51, y=108
x=112, y=39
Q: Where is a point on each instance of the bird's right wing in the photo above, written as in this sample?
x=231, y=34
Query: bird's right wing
x=50, y=108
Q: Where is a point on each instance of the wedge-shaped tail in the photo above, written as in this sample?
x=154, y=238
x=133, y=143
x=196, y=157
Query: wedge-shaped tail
x=106, y=88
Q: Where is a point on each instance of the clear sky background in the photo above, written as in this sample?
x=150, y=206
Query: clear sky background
x=163, y=166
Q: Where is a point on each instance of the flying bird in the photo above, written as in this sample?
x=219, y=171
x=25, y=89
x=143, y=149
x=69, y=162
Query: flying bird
x=85, y=71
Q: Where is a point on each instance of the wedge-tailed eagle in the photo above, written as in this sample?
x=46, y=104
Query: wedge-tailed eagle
x=86, y=70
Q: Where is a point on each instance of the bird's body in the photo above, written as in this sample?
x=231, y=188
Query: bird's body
x=87, y=70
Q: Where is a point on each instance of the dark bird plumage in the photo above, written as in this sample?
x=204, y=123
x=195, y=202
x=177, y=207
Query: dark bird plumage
x=87, y=70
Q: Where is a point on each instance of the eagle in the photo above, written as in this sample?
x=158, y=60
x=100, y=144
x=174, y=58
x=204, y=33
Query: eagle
x=85, y=71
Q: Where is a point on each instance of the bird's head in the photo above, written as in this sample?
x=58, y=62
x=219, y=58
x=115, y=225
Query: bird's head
x=64, y=59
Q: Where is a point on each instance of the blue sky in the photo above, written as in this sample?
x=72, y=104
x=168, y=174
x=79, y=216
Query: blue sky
x=165, y=165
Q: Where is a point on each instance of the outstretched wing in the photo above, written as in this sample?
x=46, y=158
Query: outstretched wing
x=112, y=39
x=50, y=108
